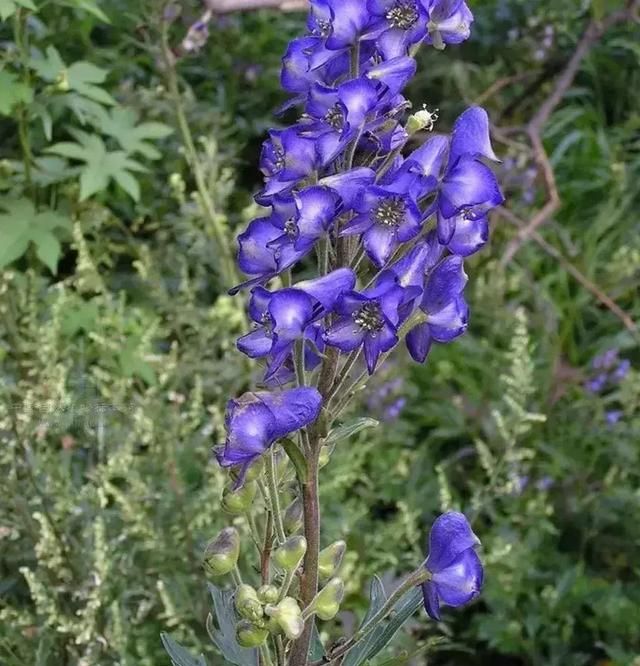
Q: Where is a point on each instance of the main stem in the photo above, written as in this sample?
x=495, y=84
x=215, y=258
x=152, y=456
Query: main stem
x=309, y=580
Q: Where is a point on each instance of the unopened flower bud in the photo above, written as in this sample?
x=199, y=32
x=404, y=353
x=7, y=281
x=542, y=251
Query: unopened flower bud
x=249, y=635
x=288, y=616
x=293, y=516
x=247, y=603
x=238, y=501
x=327, y=602
x=330, y=559
x=252, y=473
x=290, y=554
x=325, y=456
x=268, y=594
x=221, y=553
x=422, y=120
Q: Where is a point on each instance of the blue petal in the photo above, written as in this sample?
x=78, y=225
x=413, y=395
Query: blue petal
x=460, y=581
x=349, y=18
x=350, y=184
x=378, y=343
x=431, y=601
x=291, y=311
x=450, y=536
x=470, y=184
x=394, y=73
x=317, y=207
x=411, y=269
x=345, y=334
x=379, y=243
x=258, y=303
x=419, y=342
x=445, y=284
x=469, y=236
x=255, y=344
x=359, y=97
x=293, y=409
x=254, y=257
x=470, y=136
x=329, y=288
x=450, y=322
x=430, y=156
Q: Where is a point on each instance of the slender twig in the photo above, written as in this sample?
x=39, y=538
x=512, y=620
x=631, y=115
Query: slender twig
x=534, y=129
x=272, y=485
x=417, y=577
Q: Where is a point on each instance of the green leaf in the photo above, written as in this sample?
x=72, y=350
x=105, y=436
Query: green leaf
x=12, y=92
x=224, y=636
x=101, y=166
x=83, y=76
x=21, y=225
x=316, y=649
x=90, y=7
x=121, y=124
x=387, y=629
x=8, y=7
x=377, y=597
x=347, y=430
x=180, y=656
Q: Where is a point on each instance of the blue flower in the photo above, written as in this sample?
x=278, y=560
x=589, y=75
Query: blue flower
x=456, y=570
x=254, y=421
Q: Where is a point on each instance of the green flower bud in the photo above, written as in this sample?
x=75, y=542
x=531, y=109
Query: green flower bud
x=327, y=602
x=254, y=471
x=288, y=616
x=330, y=559
x=237, y=502
x=268, y=594
x=293, y=516
x=250, y=636
x=290, y=554
x=247, y=604
x=221, y=553
x=421, y=120
x=325, y=456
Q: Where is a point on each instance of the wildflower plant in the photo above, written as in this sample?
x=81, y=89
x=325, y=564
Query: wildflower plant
x=378, y=232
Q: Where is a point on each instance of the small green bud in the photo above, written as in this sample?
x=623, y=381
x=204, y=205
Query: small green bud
x=250, y=636
x=290, y=554
x=421, y=120
x=238, y=501
x=293, y=516
x=252, y=473
x=330, y=559
x=268, y=594
x=221, y=553
x=327, y=602
x=288, y=616
x=247, y=603
x=325, y=456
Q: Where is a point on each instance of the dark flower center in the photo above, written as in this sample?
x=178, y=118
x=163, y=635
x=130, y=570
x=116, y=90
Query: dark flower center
x=403, y=14
x=369, y=317
x=266, y=321
x=322, y=28
x=278, y=158
x=390, y=212
x=291, y=228
x=335, y=118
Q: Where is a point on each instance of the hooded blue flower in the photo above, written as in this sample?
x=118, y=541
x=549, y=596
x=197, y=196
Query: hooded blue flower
x=369, y=319
x=445, y=308
x=449, y=22
x=254, y=421
x=456, y=570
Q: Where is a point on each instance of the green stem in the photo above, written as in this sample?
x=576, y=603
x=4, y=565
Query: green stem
x=286, y=584
x=228, y=270
x=266, y=655
x=272, y=485
x=298, y=361
x=236, y=575
x=20, y=37
x=417, y=577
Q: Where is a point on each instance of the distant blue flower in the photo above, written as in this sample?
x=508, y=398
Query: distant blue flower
x=613, y=416
x=256, y=420
x=596, y=384
x=456, y=570
x=622, y=370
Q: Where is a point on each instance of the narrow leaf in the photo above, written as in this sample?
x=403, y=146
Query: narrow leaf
x=347, y=430
x=180, y=656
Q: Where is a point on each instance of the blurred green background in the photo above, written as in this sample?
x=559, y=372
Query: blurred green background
x=123, y=179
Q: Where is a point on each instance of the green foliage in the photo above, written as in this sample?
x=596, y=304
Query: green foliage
x=117, y=349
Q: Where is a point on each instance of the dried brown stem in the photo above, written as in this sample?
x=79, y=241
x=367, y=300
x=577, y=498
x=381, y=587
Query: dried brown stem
x=534, y=129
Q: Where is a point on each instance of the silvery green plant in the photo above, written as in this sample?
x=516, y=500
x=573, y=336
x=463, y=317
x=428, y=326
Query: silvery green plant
x=379, y=234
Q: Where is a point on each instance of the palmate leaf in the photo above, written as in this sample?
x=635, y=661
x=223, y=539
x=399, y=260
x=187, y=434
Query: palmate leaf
x=122, y=124
x=81, y=77
x=89, y=6
x=224, y=635
x=101, y=166
x=21, y=225
x=12, y=92
x=179, y=655
x=8, y=7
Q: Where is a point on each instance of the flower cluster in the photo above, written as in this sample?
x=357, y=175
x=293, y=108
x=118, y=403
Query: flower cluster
x=387, y=219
